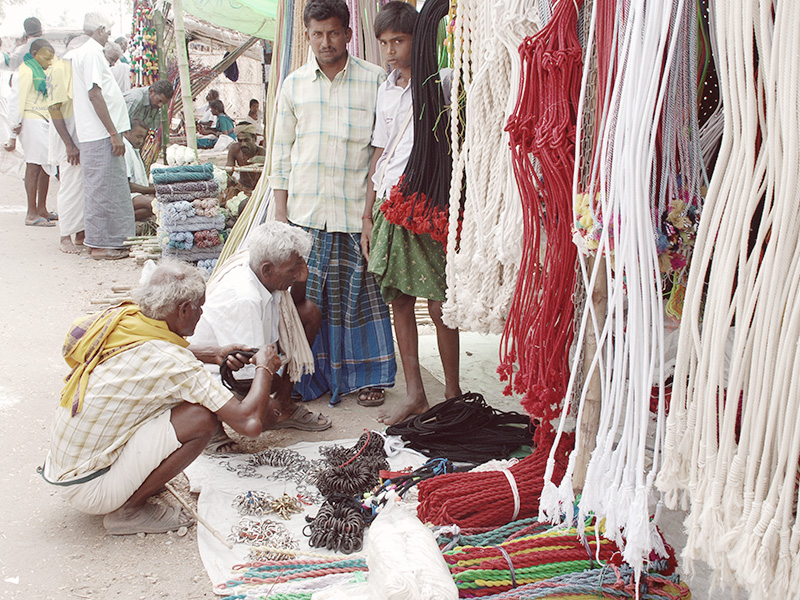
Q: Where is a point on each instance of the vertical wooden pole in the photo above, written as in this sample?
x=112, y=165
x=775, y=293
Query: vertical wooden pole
x=183, y=72
x=590, y=418
x=162, y=74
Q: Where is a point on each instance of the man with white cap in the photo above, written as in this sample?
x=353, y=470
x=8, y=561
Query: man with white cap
x=101, y=117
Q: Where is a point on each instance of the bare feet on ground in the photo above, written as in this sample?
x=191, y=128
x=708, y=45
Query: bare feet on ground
x=410, y=405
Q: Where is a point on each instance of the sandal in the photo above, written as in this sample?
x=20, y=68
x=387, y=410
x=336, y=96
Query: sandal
x=110, y=254
x=371, y=397
x=152, y=518
x=220, y=445
x=304, y=420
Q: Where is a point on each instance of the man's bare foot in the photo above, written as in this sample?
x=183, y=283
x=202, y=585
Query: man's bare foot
x=453, y=393
x=400, y=412
x=79, y=237
x=68, y=247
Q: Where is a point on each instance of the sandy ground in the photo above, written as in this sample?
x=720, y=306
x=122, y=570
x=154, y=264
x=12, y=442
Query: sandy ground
x=47, y=549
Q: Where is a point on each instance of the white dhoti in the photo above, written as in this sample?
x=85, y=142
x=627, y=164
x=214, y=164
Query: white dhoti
x=70, y=190
x=35, y=141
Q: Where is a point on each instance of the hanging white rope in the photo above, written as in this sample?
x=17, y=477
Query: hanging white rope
x=733, y=434
x=623, y=178
x=482, y=267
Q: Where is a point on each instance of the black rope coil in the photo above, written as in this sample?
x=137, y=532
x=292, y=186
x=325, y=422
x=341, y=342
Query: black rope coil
x=352, y=471
x=466, y=429
x=338, y=526
x=240, y=387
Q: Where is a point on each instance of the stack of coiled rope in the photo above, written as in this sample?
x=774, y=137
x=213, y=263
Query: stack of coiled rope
x=490, y=498
x=340, y=524
x=188, y=212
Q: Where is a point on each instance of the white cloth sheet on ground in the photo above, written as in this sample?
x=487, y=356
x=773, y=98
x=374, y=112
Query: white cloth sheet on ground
x=215, y=478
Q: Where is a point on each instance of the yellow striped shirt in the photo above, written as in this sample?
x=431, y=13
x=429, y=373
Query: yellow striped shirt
x=322, y=148
x=123, y=393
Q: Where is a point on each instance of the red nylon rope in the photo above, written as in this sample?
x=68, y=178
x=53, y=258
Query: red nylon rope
x=539, y=329
x=485, y=499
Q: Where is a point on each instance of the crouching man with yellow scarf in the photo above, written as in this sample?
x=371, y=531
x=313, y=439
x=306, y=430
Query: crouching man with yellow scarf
x=138, y=406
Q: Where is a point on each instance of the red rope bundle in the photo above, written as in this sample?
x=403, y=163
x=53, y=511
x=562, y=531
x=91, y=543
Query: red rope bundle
x=539, y=329
x=207, y=238
x=485, y=499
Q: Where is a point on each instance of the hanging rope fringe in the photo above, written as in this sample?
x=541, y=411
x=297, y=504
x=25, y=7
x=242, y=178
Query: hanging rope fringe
x=733, y=435
x=419, y=202
x=627, y=189
x=539, y=330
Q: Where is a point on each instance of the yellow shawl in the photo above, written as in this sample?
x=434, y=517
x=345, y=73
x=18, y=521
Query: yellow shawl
x=94, y=339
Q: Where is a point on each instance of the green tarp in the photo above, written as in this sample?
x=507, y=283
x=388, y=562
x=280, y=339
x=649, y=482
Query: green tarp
x=252, y=17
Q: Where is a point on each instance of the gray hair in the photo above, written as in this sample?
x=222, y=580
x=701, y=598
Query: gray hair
x=113, y=51
x=171, y=283
x=275, y=242
x=94, y=21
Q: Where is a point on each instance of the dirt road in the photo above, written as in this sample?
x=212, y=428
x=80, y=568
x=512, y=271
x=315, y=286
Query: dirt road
x=47, y=549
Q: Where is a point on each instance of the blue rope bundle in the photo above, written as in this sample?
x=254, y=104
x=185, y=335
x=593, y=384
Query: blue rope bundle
x=604, y=583
x=181, y=240
x=176, y=212
x=182, y=173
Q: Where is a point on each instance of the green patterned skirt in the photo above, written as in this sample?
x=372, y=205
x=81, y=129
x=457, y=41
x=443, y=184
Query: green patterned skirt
x=404, y=262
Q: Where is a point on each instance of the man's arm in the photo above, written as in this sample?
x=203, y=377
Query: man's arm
x=141, y=189
x=100, y=107
x=257, y=409
x=366, y=218
x=283, y=140
x=214, y=355
x=73, y=153
x=281, y=199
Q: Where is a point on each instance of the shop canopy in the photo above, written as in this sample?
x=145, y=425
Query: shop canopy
x=253, y=17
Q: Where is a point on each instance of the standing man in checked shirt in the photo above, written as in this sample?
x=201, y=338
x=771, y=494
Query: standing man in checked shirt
x=320, y=163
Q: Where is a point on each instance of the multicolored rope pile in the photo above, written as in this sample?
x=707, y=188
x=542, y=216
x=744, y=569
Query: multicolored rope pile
x=485, y=570
x=539, y=330
x=270, y=573
x=189, y=215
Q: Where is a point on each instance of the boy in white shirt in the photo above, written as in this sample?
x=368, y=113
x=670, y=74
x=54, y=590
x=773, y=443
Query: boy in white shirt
x=406, y=265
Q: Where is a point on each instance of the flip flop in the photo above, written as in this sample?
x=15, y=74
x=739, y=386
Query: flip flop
x=152, y=518
x=41, y=222
x=304, y=420
x=364, y=399
x=221, y=444
x=110, y=255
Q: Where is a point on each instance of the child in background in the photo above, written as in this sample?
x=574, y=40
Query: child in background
x=406, y=265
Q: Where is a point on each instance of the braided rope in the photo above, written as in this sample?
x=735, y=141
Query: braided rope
x=733, y=440
x=478, y=299
x=543, y=149
x=624, y=182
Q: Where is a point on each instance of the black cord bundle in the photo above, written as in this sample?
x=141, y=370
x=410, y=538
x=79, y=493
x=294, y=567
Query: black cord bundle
x=338, y=526
x=355, y=470
x=420, y=200
x=466, y=429
x=240, y=387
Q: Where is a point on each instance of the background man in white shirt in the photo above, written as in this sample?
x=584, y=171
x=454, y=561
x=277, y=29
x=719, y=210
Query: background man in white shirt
x=101, y=117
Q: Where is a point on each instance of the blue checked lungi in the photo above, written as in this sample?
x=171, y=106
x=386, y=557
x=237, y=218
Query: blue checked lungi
x=354, y=348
